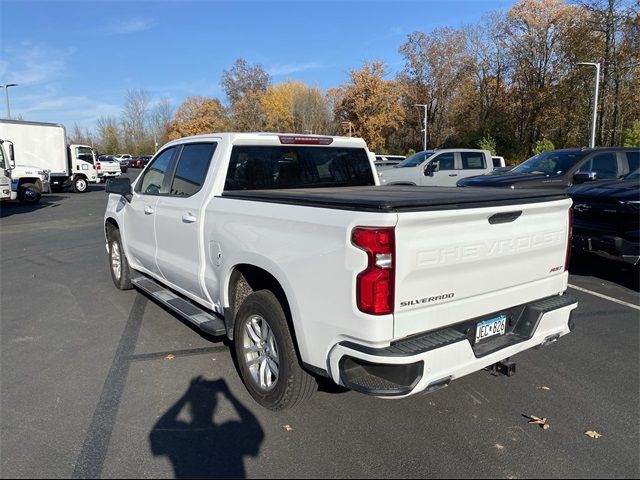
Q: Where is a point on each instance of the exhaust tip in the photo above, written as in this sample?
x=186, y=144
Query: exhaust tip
x=549, y=340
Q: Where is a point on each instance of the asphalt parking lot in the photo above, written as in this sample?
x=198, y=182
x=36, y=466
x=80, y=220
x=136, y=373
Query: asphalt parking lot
x=96, y=382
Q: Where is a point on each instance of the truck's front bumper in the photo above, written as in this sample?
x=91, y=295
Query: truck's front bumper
x=430, y=361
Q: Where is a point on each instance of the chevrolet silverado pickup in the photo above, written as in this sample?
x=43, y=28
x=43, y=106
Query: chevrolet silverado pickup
x=438, y=168
x=287, y=245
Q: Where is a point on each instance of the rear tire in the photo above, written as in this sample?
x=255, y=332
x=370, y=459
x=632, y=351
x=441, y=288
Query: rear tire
x=80, y=185
x=29, y=194
x=266, y=355
x=118, y=264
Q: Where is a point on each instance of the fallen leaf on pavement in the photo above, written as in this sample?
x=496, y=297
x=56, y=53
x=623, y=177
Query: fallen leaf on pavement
x=542, y=421
x=287, y=428
x=593, y=434
x=543, y=388
x=171, y=356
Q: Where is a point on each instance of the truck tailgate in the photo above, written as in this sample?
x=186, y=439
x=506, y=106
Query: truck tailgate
x=110, y=167
x=453, y=264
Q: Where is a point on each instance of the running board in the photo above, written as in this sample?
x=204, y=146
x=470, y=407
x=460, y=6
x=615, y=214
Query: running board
x=205, y=321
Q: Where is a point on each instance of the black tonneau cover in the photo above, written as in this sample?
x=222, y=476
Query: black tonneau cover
x=398, y=198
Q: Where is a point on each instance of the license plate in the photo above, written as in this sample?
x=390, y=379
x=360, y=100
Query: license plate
x=489, y=328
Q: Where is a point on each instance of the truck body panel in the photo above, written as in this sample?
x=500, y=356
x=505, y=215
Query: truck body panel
x=42, y=145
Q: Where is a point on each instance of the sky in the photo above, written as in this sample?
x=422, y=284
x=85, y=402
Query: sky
x=74, y=61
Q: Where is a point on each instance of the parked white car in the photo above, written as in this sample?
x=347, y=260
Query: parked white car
x=442, y=168
x=287, y=245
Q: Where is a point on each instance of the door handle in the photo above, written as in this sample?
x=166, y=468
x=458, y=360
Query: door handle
x=188, y=218
x=148, y=211
x=453, y=174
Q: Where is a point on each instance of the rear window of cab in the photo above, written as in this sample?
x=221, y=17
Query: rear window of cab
x=286, y=167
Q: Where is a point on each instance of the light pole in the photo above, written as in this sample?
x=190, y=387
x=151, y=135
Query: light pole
x=595, y=101
x=348, y=123
x=6, y=96
x=424, y=127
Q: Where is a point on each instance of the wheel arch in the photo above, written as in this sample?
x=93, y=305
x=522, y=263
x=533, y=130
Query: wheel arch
x=34, y=180
x=246, y=278
x=110, y=224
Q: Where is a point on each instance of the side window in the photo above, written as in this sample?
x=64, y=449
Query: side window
x=153, y=179
x=85, y=154
x=192, y=169
x=634, y=160
x=472, y=160
x=446, y=161
x=605, y=165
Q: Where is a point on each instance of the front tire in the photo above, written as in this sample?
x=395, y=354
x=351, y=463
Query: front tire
x=80, y=185
x=118, y=264
x=29, y=194
x=266, y=355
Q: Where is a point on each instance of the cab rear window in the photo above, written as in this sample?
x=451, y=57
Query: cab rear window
x=285, y=167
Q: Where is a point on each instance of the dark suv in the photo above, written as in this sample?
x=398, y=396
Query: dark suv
x=563, y=168
x=606, y=218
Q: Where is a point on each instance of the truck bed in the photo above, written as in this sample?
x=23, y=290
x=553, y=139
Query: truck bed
x=398, y=198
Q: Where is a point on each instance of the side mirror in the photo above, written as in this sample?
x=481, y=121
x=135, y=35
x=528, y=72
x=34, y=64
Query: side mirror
x=12, y=156
x=431, y=168
x=120, y=186
x=584, y=177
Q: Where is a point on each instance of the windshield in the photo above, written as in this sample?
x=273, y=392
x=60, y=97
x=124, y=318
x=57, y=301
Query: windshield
x=635, y=175
x=415, y=159
x=550, y=163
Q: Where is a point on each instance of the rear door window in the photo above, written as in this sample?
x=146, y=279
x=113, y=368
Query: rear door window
x=633, y=158
x=472, y=160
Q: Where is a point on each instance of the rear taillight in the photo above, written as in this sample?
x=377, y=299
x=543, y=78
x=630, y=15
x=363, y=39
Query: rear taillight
x=375, y=285
x=97, y=165
x=567, y=258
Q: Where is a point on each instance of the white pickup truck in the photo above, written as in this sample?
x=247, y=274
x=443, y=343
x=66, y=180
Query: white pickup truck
x=438, y=168
x=287, y=245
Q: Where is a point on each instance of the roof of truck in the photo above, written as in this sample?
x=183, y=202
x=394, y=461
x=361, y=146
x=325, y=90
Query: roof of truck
x=273, y=138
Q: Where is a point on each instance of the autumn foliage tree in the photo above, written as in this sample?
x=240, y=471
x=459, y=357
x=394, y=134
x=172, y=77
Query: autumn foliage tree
x=245, y=85
x=198, y=115
x=371, y=104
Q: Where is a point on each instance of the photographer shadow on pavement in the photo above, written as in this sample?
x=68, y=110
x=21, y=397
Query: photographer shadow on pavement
x=201, y=447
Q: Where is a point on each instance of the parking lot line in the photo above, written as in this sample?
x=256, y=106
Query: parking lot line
x=626, y=304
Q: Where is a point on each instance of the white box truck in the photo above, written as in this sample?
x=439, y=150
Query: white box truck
x=23, y=182
x=43, y=146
